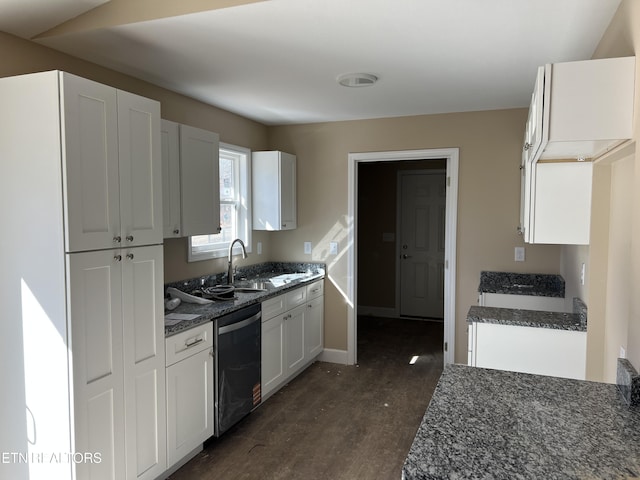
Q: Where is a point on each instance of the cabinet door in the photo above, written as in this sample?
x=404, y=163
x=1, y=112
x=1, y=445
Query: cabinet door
x=144, y=361
x=274, y=190
x=561, y=209
x=314, y=328
x=189, y=404
x=199, y=181
x=90, y=164
x=140, y=170
x=170, y=136
x=294, y=338
x=534, y=129
x=98, y=380
x=273, y=362
x=287, y=191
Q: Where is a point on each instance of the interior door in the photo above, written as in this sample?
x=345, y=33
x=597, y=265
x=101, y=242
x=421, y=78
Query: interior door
x=422, y=244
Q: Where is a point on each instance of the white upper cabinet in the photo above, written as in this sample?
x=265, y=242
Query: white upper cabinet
x=587, y=108
x=579, y=111
x=191, y=188
x=274, y=191
x=111, y=166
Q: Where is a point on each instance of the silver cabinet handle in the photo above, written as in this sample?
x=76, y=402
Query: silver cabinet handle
x=117, y=239
x=117, y=258
x=129, y=238
x=130, y=256
x=195, y=342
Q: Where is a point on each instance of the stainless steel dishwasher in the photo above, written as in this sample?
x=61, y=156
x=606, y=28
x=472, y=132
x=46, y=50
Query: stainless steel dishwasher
x=237, y=366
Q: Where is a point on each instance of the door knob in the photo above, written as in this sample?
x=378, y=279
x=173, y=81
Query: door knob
x=405, y=256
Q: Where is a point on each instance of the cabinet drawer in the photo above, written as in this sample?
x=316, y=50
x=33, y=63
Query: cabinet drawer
x=272, y=307
x=183, y=345
x=315, y=289
x=295, y=297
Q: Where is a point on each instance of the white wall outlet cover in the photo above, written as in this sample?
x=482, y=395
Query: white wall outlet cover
x=333, y=248
x=307, y=248
x=519, y=254
x=623, y=352
x=259, y=248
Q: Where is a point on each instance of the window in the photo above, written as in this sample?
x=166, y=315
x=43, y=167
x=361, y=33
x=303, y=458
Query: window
x=235, y=206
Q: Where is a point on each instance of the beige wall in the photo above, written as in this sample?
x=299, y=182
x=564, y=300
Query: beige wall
x=488, y=203
x=20, y=56
x=614, y=306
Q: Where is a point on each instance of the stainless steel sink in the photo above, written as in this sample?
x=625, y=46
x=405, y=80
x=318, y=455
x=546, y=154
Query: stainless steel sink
x=248, y=286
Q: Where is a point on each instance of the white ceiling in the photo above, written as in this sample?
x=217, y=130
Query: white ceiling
x=277, y=61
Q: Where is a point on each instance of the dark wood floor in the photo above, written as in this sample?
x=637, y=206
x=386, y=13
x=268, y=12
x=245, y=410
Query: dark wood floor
x=336, y=421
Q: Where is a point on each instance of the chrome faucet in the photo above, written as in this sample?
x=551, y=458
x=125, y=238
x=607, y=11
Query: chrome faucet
x=230, y=266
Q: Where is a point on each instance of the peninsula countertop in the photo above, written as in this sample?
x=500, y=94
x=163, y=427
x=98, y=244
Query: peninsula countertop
x=492, y=424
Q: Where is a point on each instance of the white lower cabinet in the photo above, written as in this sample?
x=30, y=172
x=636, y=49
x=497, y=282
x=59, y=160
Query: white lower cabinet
x=541, y=351
x=118, y=361
x=190, y=407
x=292, y=334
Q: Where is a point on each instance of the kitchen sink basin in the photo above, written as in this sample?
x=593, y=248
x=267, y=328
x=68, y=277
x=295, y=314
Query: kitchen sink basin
x=257, y=286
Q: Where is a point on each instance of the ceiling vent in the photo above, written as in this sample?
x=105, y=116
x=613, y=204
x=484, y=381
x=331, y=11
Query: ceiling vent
x=357, y=79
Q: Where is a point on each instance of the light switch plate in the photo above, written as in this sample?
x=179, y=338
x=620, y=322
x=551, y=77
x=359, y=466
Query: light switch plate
x=333, y=248
x=519, y=254
x=307, y=248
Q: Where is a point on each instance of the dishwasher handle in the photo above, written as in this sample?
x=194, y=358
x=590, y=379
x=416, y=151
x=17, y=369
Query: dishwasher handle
x=237, y=326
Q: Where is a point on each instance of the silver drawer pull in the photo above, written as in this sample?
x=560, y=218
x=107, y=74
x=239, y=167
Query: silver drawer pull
x=195, y=342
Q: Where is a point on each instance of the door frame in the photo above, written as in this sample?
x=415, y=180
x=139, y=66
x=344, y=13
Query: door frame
x=452, y=157
x=401, y=173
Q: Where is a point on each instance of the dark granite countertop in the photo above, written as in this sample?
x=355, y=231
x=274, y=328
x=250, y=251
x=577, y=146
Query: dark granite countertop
x=310, y=272
x=492, y=424
x=535, y=284
x=527, y=318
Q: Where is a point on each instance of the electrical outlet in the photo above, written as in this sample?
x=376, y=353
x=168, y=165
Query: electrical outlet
x=582, y=273
x=519, y=254
x=307, y=248
x=623, y=352
x=333, y=248
x=259, y=248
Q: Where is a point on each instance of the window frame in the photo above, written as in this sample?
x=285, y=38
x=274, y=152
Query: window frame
x=244, y=225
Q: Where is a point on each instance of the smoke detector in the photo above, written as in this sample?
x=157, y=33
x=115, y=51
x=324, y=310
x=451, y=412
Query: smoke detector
x=357, y=79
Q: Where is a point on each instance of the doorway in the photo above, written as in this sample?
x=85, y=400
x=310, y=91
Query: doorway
x=450, y=157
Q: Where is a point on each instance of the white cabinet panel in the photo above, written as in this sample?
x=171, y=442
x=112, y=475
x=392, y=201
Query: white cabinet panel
x=170, y=141
x=294, y=338
x=144, y=360
x=524, y=302
x=199, y=181
x=541, y=351
x=140, y=170
x=274, y=191
x=90, y=164
x=189, y=403
x=273, y=361
x=314, y=327
x=562, y=203
x=95, y=285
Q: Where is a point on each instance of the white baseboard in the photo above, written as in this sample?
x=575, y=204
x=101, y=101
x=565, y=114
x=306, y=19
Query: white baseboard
x=377, y=311
x=334, y=356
